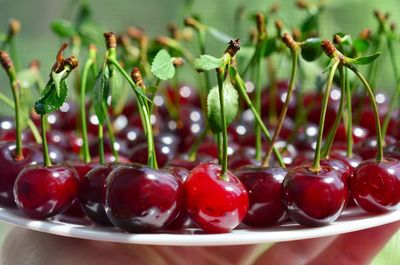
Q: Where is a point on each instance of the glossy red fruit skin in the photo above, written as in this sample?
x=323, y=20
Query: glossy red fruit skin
x=141, y=199
x=314, y=198
x=376, y=186
x=10, y=168
x=214, y=204
x=265, y=197
x=92, y=193
x=42, y=192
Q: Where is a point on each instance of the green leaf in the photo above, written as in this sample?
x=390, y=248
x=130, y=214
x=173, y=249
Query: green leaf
x=100, y=94
x=119, y=92
x=365, y=59
x=63, y=28
x=231, y=104
x=219, y=35
x=2, y=36
x=361, y=45
x=162, y=66
x=310, y=24
x=50, y=100
x=90, y=32
x=207, y=63
x=311, y=49
x=269, y=46
x=328, y=68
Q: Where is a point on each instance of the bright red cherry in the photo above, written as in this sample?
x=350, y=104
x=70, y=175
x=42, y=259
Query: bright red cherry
x=376, y=185
x=92, y=193
x=265, y=197
x=42, y=192
x=216, y=205
x=10, y=168
x=314, y=198
x=142, y=199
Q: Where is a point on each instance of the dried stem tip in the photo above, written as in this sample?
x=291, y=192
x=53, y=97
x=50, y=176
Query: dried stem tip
x=111, y=40
x=178, y=61
x=380, y=16
x=34, y=65
x=14, y=26
x=135, y=33
x=393, y=26
x=260, y=19
x=366, y=34
x=59, y=64
x=173, y=31
x=302, y=4
x=6, y=61
x=191, y=22
x=279, y=25
x=289, y=41
x=233, y=48
x=296, y=33
x=328, y=48
x=337, y=39
x=72, y=62
x=137, y=77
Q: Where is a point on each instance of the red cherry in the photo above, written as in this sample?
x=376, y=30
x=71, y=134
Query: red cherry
x=141, y=199
x=265, y=199
x=10, y=168
x=216, y=205
x=42, y=192
x=314, y=198
x=376, y=186
x=92, y=193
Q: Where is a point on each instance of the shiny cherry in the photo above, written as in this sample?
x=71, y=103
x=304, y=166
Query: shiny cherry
x=142, y=199
x=216, y=205
x=314, y=198
x=376, y=186
x=42, y=192
x=265, y=197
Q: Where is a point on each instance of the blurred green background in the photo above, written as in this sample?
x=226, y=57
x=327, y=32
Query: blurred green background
x=36, y=40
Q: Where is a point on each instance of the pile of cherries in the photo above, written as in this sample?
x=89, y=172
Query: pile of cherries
x=186, y=187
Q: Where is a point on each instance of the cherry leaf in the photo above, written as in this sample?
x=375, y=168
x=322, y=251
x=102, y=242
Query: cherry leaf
x=100, y=94
x=50, y=100
x=231, y=104
x=162, y=66
x=207, y=63
x=365, y=59
x=361, y=45
x=311, y=49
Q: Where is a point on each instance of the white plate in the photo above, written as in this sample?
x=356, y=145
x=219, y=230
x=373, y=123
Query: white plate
x=351, y=220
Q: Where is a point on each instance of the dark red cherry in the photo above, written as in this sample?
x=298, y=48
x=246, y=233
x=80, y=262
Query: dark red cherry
x=337, y=165
x=7, y=126
x=216, y=205
x=81, y=169
x=109, y=158
x=314, y=198
x=92, y=193
x=368, y=148
x=359, y=134
x=164, y=153
x=269, y=100
x=306, y=138
x=183, y=161
x=265, y=197
x=141, y=199
x=376, y=186
x=42, y=192
x=10, y=168
x=66, y=118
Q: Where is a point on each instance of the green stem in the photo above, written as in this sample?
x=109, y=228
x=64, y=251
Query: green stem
x=267, y=157
x=240, y=86
x=85, y=146
x=18, y=130
x=332, y=133
x=379, y=139
x=102, y=160
x=145, y=117
x=317, y=157
x=195, y=146
x=110, y=133
x=372, y=71
x=257, y=129
x=46, y=157
x=220, y=74
x=349, y=133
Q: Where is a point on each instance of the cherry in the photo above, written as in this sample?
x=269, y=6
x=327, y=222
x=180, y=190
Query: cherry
x=336, y=164
x=10, y=168
x=376, y=185
x=7, y=126
x=183, y=161
x=368, y=148
x=243, y=157
x=142, y=199
x=216, y=205
x=280, y=97
x=359, y=134
x=42, y=192
x=109, y=158
x=92, y=193
x=265, y=199
x=164, y=152
x=314, y=198
x=306, y=138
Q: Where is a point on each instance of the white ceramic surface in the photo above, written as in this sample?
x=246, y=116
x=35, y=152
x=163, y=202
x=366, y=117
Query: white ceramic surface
x=351, y=220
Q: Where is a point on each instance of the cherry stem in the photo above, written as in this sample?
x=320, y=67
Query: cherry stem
x=144, y=115
x=102, y=160
x=257, y=129
x=88, y=65
x=332, y=133
x=349, y=132
x=396, y=93
x=379, y=139
x=267, y=157
x=241, y=87
x=46, y=156
x=195, y=146
x=220, y=78
x=31, y=125
x=317, y=156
